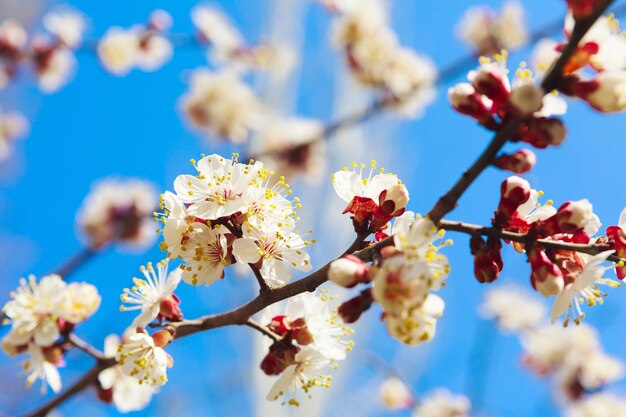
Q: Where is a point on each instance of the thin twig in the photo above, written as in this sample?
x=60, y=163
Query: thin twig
x=75, y=262
x=263, y=330
x=85, y=347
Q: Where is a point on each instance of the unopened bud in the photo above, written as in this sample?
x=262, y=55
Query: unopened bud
x=163, y=337
x=571, y=217
x=279, y=325
x=489, y=81
x=487, y=258
x=348, y=271
x=617, y=235
x=545, y=277
x=169, y=309
x=280, y=356
x=105, y=395
x=393, y=200
x=526, y=99
x=514, y=192
x=542, y=132
x=519, y=162
x=351, y=310
x=466, y=100
x=159, y=20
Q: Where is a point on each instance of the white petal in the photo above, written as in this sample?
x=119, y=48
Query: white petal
x=246, y=251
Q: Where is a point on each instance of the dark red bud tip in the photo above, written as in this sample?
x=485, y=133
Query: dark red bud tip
x=351, y=310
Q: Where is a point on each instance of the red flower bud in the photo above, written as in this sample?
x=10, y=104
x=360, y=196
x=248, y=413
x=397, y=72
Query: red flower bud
x=514, y=192
x=393, y=200
x=571, y=217
x=169, y=309
x=466, y=100
x=582, y=8
x=348, y=271
x=519, y=162
x=489, y=81
x=542, y=132
x=617, y=235
x=351, y=310
x=280, y=356
x=545, y=277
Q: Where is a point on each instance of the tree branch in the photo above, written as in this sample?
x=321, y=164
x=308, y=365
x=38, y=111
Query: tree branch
x=551, y=81
x=85, y=347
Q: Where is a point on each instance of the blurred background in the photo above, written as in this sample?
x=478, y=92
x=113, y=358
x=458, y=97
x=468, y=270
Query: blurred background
x=99, y=125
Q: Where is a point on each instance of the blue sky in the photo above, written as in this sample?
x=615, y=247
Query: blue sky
x=100, y=125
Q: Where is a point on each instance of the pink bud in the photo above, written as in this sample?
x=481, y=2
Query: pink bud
x=170, y=309
x=348, y=271
x=542, y=132
x=617, y=235
x=163, y=337
x=393, y=200
x=571, y=217
x=526, y=99
x=520, y=162
x=489, y=81
x=545, y=277
x=465, y=100
x=487, y=258
x=514, y=192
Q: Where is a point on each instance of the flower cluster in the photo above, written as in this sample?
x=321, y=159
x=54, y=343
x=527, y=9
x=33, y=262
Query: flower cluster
x=118, y=211
x=570, y=276
x=375, y=57
x=310, y=339
x=42, y=314
x=443, y=403
x=596, y=72
x=492, y=99
x=50, y=55
x=145, y=47
x=404, y=274
x=231, y=212
x=488, y=32
x=13, y=126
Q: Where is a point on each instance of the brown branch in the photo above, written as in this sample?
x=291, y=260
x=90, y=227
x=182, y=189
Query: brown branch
x=263, y=330
x=551, y=81
x=75, y=262
x=474, y=229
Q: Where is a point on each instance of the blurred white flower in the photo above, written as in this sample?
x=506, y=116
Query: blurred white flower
x=119, y=210
x=13, y=126
x=39, y=368
x=67, y=25
x=442, y=403
x=513, y=308
x=221, y=104
x=488, y=32
x=395, y=395
x=142, y=360
x=603, y=404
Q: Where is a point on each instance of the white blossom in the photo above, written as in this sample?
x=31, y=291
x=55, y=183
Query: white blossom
x=127, y=393
x=149, y=294
x=416, y=325
x=67, y=25
x=442, y=403
x=38, y=368
x=395, y=395
x=603, y=404
x=13, y=126
x=142, y=360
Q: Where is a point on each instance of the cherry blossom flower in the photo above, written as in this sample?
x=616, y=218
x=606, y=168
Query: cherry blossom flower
x=216, y=192
x=303, y=375
x=275, y=251
x=206, y=253
x=79, y=302
x=118, y=50
x=221, y=104
x=513, y=308
x=373, y=200
x=594, y=371
x=154, y=295
x=140, y=358
x=66, y=25
x=118, y=210
x=584, y=287
x=13, y=126
x=322, y=322
x=215, y=27
x=442, y=403
x=117, y=387
x=602, y=403
x=33, y=311
x=395, y=395
x=416, y=325
x=488, y=32
x=54, y=66
x=39, y=368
